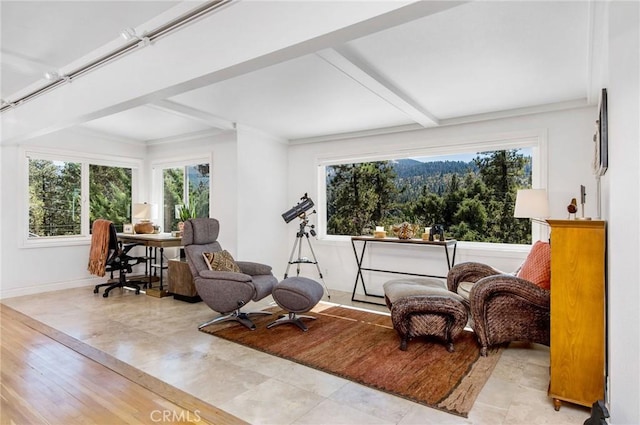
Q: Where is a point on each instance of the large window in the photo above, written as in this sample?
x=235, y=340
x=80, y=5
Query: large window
x=186, y=186
x=67, y=193
x=472, y=195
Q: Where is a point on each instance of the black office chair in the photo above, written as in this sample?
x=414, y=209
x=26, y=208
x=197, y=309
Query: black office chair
x=117, y=259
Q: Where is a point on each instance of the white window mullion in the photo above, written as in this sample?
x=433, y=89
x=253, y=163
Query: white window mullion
x=84, y=200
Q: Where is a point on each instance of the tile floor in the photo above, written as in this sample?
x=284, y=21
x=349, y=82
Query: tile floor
x=160, y=337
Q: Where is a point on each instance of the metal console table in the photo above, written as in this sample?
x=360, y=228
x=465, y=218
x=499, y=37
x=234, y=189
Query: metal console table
x=445, y=245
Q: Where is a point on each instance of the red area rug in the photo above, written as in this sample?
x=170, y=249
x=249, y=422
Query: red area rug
x=363, y=347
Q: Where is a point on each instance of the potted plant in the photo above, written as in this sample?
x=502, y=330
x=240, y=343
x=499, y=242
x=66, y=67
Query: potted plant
x=185, y=212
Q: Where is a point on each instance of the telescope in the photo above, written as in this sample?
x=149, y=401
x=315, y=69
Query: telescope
x=298, y=209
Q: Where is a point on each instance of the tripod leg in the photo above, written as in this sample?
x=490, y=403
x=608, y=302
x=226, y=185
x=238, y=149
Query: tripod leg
x=299, y=254
x=315, y=261
x=293, y=250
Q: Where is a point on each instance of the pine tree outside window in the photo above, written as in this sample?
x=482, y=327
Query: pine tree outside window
x=472, y=194
x=54, y=198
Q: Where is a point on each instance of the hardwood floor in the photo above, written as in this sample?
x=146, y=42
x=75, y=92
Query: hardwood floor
x=43, y=381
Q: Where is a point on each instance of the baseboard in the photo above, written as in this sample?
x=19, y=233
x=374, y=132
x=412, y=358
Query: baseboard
x=48, y=287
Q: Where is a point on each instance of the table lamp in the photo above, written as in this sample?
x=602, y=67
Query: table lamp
x=144, y=213
x=533, y=204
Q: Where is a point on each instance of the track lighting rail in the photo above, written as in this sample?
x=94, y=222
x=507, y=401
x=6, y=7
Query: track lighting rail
x=128, y=47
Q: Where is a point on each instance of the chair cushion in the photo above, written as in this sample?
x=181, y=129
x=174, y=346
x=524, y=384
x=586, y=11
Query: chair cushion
x=200, y=231
x=464, y=289
x=537, y=266
x=220, y=261
x=397, y=289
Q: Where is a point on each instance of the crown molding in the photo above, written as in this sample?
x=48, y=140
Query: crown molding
x=184, y=137
x=510, y=113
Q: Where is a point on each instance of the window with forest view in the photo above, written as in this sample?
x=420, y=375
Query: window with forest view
x=472, y=195
x=55, y=196
x=189, y=186
x=110, y=194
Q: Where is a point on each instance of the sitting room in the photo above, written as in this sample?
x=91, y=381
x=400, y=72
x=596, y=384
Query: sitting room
x=434, y=203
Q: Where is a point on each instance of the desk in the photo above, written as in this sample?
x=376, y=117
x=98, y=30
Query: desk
x=445, y=245
x=151, y=241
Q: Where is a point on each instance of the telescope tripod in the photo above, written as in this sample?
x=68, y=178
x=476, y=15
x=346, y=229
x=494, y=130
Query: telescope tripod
x=302, y=232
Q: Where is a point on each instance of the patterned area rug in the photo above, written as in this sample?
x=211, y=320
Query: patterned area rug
x=363, y=347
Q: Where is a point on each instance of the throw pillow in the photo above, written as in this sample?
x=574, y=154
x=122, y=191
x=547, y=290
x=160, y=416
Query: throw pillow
x=221, y=261
x=537, y=266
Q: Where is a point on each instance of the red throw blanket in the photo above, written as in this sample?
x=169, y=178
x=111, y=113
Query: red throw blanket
x=99, y=247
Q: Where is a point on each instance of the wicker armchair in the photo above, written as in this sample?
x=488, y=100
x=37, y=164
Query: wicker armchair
x=503, y=307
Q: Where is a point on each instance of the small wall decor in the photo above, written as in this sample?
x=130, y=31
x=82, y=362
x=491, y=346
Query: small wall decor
x=600, y=138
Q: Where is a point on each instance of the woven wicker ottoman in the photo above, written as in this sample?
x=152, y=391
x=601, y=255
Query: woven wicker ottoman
x=425, y=307
x=296, y=295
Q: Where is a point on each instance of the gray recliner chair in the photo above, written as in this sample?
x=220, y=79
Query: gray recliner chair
x=225, y=292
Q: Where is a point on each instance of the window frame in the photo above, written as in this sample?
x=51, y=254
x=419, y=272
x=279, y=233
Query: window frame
x=85, y=159
x=534, y=139
x=157, y=178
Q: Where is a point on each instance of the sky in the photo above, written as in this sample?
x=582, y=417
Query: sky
x=465, y=157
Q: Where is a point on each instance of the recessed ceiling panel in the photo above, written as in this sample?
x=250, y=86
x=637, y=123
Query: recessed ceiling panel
x=485, y=56
x=145, y=124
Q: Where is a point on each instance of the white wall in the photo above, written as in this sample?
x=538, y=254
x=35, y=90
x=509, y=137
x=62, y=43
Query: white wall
x=1, y=219
x=44, y=269
x=262, y=176
x=623, y=184
x=570, y=148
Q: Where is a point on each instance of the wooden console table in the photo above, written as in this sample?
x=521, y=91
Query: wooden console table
x=153, y=241
x=445, y=245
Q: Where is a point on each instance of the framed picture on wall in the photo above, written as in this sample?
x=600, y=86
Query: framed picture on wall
x=600, y=138
x=127, y=228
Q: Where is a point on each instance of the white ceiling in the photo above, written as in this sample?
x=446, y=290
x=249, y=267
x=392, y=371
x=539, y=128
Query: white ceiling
x=43, y=36
x=460, y=64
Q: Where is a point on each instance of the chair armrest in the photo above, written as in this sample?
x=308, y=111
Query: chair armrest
x=468, y=272
x=508, y=285
x=218, y=275
x=253, y=269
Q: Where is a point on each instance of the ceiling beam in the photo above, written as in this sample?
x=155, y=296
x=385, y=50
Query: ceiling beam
x=192, y=114
x=372, y=81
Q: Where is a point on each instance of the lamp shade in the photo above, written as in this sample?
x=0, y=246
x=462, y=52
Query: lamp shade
x=145, y=211
x=531, y=203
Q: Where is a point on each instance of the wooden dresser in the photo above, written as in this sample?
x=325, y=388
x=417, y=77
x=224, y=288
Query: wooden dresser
x=578, y=301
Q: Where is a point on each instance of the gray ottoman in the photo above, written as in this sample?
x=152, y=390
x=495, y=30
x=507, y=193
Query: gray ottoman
x=296, y=295
x=425, y=307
